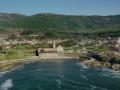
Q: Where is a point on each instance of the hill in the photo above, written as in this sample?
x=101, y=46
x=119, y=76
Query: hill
x=48, y=22
x=6, y=19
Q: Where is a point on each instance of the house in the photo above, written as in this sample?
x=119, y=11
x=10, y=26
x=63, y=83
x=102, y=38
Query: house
x=118, y=41
x=48, y=50
x=117, y=45
x=60, y=50
x=84, y=50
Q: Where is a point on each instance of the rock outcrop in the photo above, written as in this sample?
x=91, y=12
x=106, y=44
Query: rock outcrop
x=97, y=64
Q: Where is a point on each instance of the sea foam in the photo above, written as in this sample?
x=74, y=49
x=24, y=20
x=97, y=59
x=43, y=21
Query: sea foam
x=82, y=65
x=6, y=85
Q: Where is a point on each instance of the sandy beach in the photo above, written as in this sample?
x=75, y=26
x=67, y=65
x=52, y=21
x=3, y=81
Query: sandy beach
x=10, y=64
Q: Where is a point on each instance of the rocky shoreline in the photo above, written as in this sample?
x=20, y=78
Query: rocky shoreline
x=98, y=64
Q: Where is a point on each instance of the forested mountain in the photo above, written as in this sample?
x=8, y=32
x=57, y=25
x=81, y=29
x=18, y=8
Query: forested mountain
x=6, y=19
x=48, y=22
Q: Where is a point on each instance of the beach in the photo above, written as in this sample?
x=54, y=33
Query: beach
x=7, y=65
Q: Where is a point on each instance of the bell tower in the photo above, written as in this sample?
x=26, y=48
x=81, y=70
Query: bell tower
x=54, y=44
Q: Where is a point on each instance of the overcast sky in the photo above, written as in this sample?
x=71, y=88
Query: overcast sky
x=68, y=7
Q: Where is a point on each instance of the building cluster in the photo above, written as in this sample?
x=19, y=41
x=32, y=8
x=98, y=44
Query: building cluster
x=9, y=43
x=113, y=43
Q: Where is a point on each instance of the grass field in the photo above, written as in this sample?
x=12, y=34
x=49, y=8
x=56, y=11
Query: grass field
x=19, y=52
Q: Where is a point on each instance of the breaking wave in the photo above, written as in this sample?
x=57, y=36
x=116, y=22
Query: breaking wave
x=82, y=65
x=6, y=85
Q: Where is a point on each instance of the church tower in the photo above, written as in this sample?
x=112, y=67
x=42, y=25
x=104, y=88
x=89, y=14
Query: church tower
x=54, y=44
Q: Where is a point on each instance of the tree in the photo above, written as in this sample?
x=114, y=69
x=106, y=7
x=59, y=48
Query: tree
x=12, y=37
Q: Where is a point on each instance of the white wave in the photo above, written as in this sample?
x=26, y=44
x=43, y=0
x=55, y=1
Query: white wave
x=82, y=65
x=56, y=75
x=97, y=88
x=3, y=73
x=6, y=85
x=86, y=86
x=84, y=77
x=59, y=81
x=107, y=70
x=111, y=73
x=18, y=67
x=73, y=81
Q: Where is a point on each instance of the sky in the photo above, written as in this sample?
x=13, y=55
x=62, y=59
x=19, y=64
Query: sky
x=66, y=7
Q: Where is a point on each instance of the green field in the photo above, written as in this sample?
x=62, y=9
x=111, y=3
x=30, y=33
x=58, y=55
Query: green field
x=19, y=52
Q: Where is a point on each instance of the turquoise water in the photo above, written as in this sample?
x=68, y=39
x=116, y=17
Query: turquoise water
x=67, y=74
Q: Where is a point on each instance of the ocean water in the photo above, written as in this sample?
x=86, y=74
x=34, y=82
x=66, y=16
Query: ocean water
x=67, y=74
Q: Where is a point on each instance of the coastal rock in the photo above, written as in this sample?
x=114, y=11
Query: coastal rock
x=96, y=64
x=116, y=67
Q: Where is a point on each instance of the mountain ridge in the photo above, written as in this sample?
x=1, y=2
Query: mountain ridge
x=48, y=22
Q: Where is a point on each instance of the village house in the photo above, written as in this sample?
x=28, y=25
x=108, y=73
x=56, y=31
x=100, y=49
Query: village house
x=117, y=45
x=60, y=50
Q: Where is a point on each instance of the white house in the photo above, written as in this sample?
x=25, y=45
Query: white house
x=60, y=50
x=118, y=41
x=117, y=45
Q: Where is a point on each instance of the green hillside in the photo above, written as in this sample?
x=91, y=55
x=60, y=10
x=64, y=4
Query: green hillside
x=65, y=23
